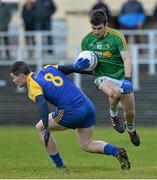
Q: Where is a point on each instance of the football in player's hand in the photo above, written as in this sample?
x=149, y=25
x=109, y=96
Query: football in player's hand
x=91, y=56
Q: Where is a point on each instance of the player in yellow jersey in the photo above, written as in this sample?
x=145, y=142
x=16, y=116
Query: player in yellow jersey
x=74, y=109
x=113, y=72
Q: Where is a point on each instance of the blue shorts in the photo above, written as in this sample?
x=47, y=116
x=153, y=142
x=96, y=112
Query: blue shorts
x=80, y=117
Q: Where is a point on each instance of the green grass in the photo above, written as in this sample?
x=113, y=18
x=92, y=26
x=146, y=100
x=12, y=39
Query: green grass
x=22, y=155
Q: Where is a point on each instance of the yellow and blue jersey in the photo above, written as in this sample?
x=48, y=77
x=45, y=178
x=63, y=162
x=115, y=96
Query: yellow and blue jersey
x=56, y=88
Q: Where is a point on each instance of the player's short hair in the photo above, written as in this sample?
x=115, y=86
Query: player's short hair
x=20, y=67
x=97, y=17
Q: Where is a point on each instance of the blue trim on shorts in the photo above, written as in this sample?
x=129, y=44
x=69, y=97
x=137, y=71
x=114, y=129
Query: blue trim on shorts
x=80, y=117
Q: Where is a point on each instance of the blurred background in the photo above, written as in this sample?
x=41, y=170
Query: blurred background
x=39, y=35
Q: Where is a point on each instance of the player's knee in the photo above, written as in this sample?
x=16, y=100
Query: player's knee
x=115, y=98
x=85, y=146
x=115, y=94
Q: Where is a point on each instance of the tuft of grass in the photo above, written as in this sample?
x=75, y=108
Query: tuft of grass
x=23, y=156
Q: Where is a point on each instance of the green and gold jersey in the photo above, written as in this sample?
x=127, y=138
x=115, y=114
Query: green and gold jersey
x=108, y=50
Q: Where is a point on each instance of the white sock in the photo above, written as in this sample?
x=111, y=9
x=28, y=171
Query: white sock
x=114, y=113
x=130, y=128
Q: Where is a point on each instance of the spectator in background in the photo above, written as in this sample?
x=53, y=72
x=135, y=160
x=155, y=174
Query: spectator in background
x=101, y=5
x=155, y=17
x=44, y=9
x=28, y=16
x=132, y=16
x=5, y=17
x=2, y=83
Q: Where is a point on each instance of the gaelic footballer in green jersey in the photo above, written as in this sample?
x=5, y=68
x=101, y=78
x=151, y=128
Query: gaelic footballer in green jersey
x=107, y=49
x=113, y=71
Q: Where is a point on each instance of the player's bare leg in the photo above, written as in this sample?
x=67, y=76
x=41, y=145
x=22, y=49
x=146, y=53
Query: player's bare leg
x=128, y=104
x=84, y=136
x=52, y=146
x=114, y=96
x=86, y=143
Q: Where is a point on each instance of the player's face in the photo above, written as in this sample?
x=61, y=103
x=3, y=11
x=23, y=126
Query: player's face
x=99, y=30
x=19, y=80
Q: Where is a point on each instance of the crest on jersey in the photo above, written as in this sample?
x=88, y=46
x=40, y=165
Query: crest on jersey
x=108, y=45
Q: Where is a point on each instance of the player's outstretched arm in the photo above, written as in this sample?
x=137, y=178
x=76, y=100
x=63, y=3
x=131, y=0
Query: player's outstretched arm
x=77, y=67
x=43, y=110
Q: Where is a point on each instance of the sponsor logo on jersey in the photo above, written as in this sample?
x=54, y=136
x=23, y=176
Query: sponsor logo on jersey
x=107, y=54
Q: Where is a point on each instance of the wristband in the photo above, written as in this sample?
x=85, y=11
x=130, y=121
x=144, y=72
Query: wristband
x=128, y=78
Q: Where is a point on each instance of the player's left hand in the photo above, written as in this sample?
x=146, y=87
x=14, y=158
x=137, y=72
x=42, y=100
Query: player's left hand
x=46, y=136
x=82, y=64
x=127, y=86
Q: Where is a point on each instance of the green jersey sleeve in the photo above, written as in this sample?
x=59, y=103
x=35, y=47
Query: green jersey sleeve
x=84, y=44
x=121, y=42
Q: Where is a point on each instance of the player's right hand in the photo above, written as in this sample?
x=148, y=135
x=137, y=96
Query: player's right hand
x=127, y=86
x=46, y=136
x=82, y=64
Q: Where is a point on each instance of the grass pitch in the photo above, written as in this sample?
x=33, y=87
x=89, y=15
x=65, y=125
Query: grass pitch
x=23, y=156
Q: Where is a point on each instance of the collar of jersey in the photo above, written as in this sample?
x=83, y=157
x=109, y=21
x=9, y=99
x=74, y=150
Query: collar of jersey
x=106, y=32
x=29, y=76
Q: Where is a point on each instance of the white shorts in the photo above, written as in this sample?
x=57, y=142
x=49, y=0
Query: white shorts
x=116, y=82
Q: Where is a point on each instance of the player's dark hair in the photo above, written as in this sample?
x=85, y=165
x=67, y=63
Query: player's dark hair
x=20, y=67
x=97, y=17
